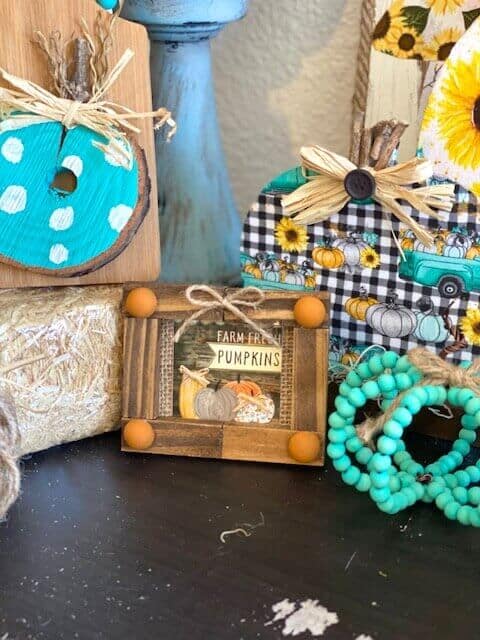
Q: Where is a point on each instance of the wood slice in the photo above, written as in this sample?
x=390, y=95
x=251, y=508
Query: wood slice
x=19, y=19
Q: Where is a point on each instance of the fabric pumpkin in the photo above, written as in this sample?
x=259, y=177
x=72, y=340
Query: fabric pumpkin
x=391, y=319
x=216, y=404
x=357, y=306
x=328, y=257
x=430, y=328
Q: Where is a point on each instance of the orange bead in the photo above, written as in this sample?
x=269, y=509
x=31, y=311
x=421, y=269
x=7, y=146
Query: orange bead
x=138, y=434
x=141, y=302
x=309, y=312
x=304, y=446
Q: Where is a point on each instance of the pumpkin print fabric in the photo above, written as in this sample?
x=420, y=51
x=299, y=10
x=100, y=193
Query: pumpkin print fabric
x=423, y=29
x=399, y=297
x=450, y=136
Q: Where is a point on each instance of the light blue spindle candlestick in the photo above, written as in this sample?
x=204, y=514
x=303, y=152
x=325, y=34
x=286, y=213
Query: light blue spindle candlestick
x=199, y=223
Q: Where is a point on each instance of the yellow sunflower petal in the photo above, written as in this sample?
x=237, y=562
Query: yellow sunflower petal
x=441, y=7
x=470, y=326
x=290, y=236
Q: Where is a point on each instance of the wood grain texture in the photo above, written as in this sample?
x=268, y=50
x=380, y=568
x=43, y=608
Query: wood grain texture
x=19, y=19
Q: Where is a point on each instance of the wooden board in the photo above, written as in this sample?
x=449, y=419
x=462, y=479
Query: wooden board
x=300, y=386
x=19, y=19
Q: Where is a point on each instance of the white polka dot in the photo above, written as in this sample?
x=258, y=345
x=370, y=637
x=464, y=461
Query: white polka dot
x=12, y=150
x=58, y=254
x=74, y=163
x=61, y=219
x=13, y=199
x=119, y=216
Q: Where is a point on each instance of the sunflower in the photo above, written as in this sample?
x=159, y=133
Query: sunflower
x=470, y=326
x=441, y=7
x=440, y=45
x=390, y=26
x=405, y=43
x=290, y=236
x=369, y=258
x=429, y=114
x=458, y=112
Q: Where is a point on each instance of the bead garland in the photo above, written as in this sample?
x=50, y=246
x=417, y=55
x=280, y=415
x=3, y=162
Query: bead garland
x=390, y=475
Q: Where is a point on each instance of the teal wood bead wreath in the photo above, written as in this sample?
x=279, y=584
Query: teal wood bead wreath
x=391, y=476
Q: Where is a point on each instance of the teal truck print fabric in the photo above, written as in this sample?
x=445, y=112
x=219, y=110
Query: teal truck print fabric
x=386, y=293
x=59, y=232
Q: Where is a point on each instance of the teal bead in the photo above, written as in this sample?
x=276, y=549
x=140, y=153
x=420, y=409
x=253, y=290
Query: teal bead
x=387, y=506
x=434, y=489
x=371, y=389
x=457, y=456
x=474, y=495
x=108, y=5
x=402, y=381
x=402, y=416
x=464, y=395
x=451, y=509
x=475, y=518
x=351, y=476
x=419, y=490
x=344, y=408
x=353, y=444
x=386, y=445
x=414, y=468
x=364, y=455
x=450, y=481
x=376, y=365
x=393, y=429
x=380, y=462
x=335, y=451
x=401, y=457
x=357, y=398
x=468, y=435
x=336, y=421
x=403, y=364
x=421, y=394
x=380, y=479
x=410, y=495
x=390, y=359
x=452, y=396
x=432, y=395
x=405, y=478
x=401, y=446
x=433, y=468
x=460, y=494
x=462, y=447
x=384, y=405
x=353, y=379
x=470, y=422
x=444, y=467
x=390, y=395
x=463, y=478
x=442, y=395
x=463, y=515
x=344, y=389
x=415, y=375
x=474, y=473
x=394, y=484
x=472, y=406
x=337, y=435
x=448, y=463
x=411, y=402
x=386, y=382
x=341, y=464
x=380, y=495
x=364, y=483
x=400, y=501
x=363, y=371
x=443, y=499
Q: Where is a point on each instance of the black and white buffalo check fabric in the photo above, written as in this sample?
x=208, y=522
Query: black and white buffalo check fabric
x=259, y=238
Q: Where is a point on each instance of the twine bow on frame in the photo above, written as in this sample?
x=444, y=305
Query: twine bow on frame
x=436, y=371
x=248, y=298
x=26, y=101
x=338, y=181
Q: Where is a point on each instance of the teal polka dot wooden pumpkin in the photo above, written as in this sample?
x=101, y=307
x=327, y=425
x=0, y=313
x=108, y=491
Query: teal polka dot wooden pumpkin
x=70, y=230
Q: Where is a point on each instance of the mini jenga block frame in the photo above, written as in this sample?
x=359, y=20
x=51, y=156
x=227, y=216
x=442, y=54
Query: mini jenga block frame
x=151, y=381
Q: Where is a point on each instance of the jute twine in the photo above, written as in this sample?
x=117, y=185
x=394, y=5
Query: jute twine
x=436, y=371
x=324, y=194
x=249, y=298
x=9, y=447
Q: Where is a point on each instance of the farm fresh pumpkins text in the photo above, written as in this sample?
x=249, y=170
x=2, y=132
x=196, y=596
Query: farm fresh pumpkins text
x=245, y=351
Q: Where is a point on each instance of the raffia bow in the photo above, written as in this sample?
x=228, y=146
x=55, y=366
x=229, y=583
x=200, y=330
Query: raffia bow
x=28, y=102
x=249, y=298
x=325, y=194
x=436, y=371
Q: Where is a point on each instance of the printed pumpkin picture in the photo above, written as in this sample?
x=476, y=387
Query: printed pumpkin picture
x=423, y=29
x=226, y=373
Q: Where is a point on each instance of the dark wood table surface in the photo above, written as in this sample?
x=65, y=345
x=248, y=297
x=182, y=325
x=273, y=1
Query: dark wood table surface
x=110, y=545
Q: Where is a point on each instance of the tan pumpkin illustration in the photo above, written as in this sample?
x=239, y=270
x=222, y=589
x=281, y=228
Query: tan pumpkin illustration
x=259, y=409
x=192, y=382
x=473, y=252
x=349, y=358
x=328, y=257
x=215, y=403
x=356, y=307
x=253, y=269
x=310, y=282
x=248, y=387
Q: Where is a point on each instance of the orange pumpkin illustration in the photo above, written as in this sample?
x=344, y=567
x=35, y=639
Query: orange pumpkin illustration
x=328, y=257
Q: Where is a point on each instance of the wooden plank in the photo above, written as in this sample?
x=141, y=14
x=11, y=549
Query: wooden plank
x=177, y=437
x=278, y=305
x=322, y=348
x=305, y=380
x=260, y=444
x=19, y=54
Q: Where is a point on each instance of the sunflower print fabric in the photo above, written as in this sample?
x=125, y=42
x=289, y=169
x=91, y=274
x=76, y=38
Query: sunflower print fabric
x=424, y=29
x=450, y=135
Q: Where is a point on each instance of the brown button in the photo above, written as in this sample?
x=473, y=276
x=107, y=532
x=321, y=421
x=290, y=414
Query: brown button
x=359, y=184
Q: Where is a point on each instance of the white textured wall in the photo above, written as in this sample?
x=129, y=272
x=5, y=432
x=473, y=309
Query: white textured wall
x=284, y=77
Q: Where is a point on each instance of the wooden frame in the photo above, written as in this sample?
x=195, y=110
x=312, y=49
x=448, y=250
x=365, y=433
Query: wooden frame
x=148, y=386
